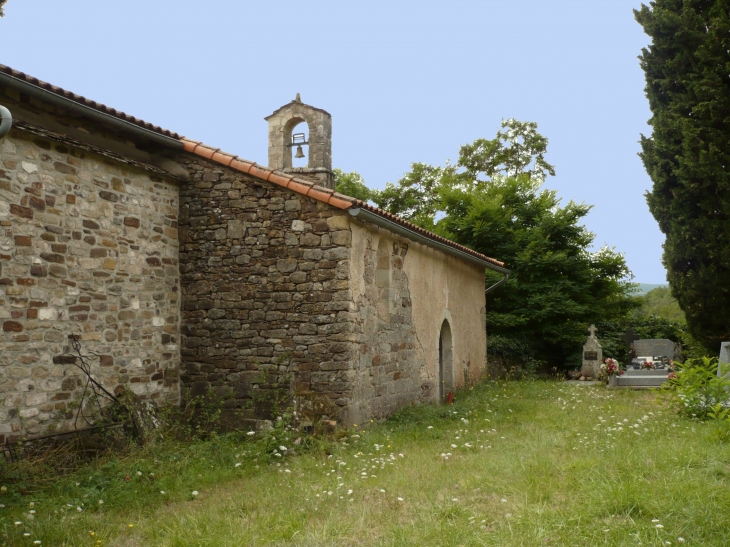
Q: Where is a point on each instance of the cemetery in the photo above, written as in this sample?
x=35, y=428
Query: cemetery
x=199, y=349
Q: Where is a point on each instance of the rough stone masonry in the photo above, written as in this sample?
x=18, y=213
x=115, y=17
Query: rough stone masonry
x=264, y=273
x=88, y=246
x=183, y=266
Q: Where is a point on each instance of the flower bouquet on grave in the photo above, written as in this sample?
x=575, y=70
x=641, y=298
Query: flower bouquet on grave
x=647, y=365
x=610, y=367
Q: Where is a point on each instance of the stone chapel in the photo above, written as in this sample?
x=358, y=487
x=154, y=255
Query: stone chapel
x=183, y=266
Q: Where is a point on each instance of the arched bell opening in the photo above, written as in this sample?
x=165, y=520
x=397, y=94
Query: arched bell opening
x=446, y=362
x=296, y=139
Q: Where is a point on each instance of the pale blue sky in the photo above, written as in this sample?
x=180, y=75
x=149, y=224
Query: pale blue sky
x=405, y=81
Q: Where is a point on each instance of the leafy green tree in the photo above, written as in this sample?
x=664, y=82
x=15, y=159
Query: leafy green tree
x=687, y=156
x=352, y=184
x=415, y=197
x=2, y=5
x=491, y=200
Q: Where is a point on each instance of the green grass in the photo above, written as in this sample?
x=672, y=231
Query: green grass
x=546, y=465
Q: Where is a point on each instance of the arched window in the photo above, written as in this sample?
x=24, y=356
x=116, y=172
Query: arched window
x=446, y=361
x=382, y=279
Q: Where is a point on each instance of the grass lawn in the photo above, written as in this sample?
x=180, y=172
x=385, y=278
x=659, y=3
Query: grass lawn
x=519, y=463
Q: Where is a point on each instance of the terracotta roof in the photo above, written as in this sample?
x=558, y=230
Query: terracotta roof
x=319, y=193
x=295, y=184
x=426, y=233
x=86, y=102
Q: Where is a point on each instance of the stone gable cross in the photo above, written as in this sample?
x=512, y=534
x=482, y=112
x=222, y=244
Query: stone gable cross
x=629, y=338
x=592, y=330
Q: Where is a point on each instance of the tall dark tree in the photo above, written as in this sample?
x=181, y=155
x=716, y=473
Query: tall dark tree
x=687, y=156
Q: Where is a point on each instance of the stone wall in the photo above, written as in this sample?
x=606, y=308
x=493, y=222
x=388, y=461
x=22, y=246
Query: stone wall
x=391, y=362
x=88, y=246
x=404, y=291
x=264, y=274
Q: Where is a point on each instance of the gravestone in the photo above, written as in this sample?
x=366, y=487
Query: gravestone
x=656, y=347
x=724, y=361
x=592, y=356
x=659, y=352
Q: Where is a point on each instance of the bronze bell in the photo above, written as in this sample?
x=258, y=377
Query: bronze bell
x=300, y=153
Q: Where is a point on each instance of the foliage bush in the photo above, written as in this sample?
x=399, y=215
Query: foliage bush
x=696, y=391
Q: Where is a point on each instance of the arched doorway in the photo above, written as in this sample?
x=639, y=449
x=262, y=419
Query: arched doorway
x=446, y=361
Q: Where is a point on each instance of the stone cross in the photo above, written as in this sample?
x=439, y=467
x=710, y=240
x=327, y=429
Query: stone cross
x=592, y=356
x=629, y=338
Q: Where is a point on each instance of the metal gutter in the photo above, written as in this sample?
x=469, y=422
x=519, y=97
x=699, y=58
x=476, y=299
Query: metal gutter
x=364, y=214
x=88, y=112
x=6, y=121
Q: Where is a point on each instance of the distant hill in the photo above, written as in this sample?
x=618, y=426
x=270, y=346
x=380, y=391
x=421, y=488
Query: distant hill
x=646, y=287
x=659, y=301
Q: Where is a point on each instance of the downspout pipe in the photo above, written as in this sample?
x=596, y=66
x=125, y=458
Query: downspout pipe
x=87, y=112
x=6, y=121
x=369, y=216
x=498, y=283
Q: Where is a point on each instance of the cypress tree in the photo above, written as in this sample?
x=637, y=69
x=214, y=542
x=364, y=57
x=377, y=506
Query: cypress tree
x=687, y=69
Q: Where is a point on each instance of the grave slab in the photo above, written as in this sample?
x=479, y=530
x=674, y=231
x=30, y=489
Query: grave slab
x=640, y=381
x=655, y=346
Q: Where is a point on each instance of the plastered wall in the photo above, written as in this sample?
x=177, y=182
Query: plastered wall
x=401, y=303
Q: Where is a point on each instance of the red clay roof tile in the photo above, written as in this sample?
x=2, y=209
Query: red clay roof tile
x=293, y=183
x=281, y=180
x=300, y=186
x=259, y=172
x=320, y=194
x=336, y=200
x=241, y=165
x=222, y=157
x=84, y=101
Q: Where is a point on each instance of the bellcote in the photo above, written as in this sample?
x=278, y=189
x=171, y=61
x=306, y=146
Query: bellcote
x=319, y=147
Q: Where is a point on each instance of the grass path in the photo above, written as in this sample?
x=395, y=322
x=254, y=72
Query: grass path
x=510, y=464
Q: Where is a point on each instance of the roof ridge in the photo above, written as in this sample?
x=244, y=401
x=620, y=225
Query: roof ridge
x=32, y=80
x=296, y=184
